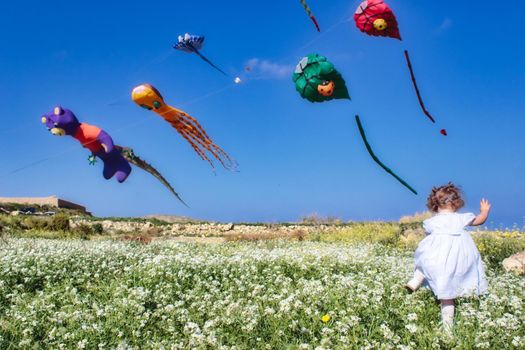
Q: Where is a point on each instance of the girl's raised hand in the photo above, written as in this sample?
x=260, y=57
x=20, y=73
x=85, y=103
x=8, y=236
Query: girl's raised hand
x=484, y=206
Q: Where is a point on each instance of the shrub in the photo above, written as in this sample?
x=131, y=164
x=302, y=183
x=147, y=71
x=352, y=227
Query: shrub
x=157, y=222
x=316, y=219
x=253, y=237
x=59, y=222
x=299, y=235
x=496, y=246
x=35, y=223
x=152, y=231
x=14, y=222
x=268, y=235
x=409, y=238
x=385, y=233
x=83, y=231
x=139, y=239
x=416, y=218
x=98, y=228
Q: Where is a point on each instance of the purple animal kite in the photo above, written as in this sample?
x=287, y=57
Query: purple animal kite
x=116, y=159
x=63, y=122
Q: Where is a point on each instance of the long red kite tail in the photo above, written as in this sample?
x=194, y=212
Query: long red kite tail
x=310, y=14
x=417, y=89
x=315, y=23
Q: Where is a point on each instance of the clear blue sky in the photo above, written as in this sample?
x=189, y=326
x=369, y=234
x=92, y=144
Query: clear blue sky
x=295, y=158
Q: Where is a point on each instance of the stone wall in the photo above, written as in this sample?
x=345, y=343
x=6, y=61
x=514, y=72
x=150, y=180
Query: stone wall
x=202, y=229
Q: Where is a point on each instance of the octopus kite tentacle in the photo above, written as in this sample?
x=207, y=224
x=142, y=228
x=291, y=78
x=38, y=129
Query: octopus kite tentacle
x=374, y=157
x=202, y=135
x=199, y=141
x=192, y=141
x=178, y=126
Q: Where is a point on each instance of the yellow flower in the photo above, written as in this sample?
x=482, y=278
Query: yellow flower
x=325, y=318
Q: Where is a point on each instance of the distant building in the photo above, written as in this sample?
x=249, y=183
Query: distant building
x=52, y=201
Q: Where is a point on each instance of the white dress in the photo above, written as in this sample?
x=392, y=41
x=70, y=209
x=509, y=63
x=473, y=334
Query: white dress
x=448, y=257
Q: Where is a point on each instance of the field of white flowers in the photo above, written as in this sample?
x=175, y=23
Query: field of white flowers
x=274, y=295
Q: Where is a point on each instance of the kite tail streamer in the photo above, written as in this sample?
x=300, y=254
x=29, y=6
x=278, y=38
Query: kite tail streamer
x=310, y=14
x=421, y=103
x=417, y=89
x=130, y=156
x=208, y=61
x=315, y=23
x=374, y=157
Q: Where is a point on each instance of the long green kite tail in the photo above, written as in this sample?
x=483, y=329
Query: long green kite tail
x=130, y=156
x=374, y=157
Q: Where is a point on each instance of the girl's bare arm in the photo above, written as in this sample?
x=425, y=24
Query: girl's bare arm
x=484, y=209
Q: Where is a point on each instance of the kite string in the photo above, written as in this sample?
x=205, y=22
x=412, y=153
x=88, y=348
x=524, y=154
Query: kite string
x=299, y=51
x=320, y=36
x=20, y=126
x=160, y=59
x=261, y=76
x=156, y=60
x=127, y=126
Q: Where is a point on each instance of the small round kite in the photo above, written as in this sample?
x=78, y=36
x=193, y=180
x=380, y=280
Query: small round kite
x=317, y=80
x=375, y=18
x=148, y=97
x=192, y=44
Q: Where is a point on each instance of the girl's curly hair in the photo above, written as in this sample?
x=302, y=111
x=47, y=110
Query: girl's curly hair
x=448, y=195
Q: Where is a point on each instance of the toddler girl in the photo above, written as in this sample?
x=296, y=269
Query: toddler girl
x=447, y=259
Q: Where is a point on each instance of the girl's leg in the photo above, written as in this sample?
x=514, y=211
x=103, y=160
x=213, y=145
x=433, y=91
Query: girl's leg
x=447, y=314
x=416, y=281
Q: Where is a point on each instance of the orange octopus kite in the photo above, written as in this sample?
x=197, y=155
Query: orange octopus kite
x=149, y=97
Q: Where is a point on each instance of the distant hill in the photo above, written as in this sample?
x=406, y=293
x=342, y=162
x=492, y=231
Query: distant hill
x=173, y=219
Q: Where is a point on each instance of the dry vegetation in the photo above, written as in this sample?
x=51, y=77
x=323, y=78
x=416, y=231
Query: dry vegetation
x=297, y=235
